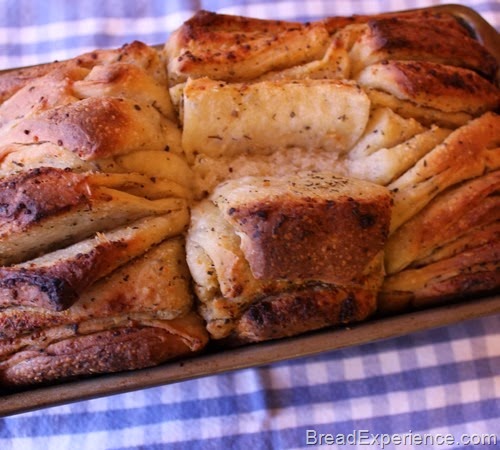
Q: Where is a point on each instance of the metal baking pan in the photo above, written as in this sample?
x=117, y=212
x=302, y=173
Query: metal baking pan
x=250, y=356
x=216, y=362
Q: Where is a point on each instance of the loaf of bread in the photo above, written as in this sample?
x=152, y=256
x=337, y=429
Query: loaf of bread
x=250, y=180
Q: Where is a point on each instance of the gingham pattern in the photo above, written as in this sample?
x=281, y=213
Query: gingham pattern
x=37, y=31
x=446, y=380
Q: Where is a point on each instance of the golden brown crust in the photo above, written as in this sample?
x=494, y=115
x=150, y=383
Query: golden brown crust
x=433, y=85
x=127, y=81
x=234, y=48
x=267, y=263
x=468, y=152
x=48, y=208
x=474, y=271
x=55, y=280
x=422, y=38
x=305, y=309
x=446, y=218
x=332, y=226
x=154, y=286
x=309, y=230
x=276, y=256
x=139, y=316
x=41, y=94
x=136, y=53
x=335, y=23
x=90, y=281
x=13, y=80
x=95, y=127
x=29, y=197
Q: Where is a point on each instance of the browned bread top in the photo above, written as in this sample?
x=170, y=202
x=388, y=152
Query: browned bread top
x=95, y=127
x=315, y=226
x=55, y=280
x=118, y=348
x=422, y=38
x=152, y=287
x=442, y=87
x=48, y=208
x=136, y=53
x=31, y=196
x=235, y=48
x=450, y=215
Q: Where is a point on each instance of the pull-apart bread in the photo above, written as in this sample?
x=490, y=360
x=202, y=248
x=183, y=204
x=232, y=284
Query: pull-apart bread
x=406, y=101
x=94, y=201
x=252, y=179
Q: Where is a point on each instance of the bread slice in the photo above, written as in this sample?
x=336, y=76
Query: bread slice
x=97, y=127
x=226, y=119
x=473, y=272
x=18, y=158
x=429, y=92
x=124, y=348
x=136, y=53
x=388, y=163
x=384, y=129
x=138, y=316
x=42, y=94
x=125, y=80
x=448, y=251
x=241, y=238
x=417, y=37
x=318, y=218
x=55, y=280
x=37, y=215
x=466, y=153
x=235, y=48
x=451, y=214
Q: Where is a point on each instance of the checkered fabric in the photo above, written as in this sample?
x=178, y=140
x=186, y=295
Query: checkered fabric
x=443, y=382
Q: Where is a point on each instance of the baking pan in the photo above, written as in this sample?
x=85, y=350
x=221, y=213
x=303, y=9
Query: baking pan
x=214, y=362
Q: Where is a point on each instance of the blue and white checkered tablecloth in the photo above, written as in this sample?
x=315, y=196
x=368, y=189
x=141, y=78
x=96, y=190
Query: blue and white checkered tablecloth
x=443, y=383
